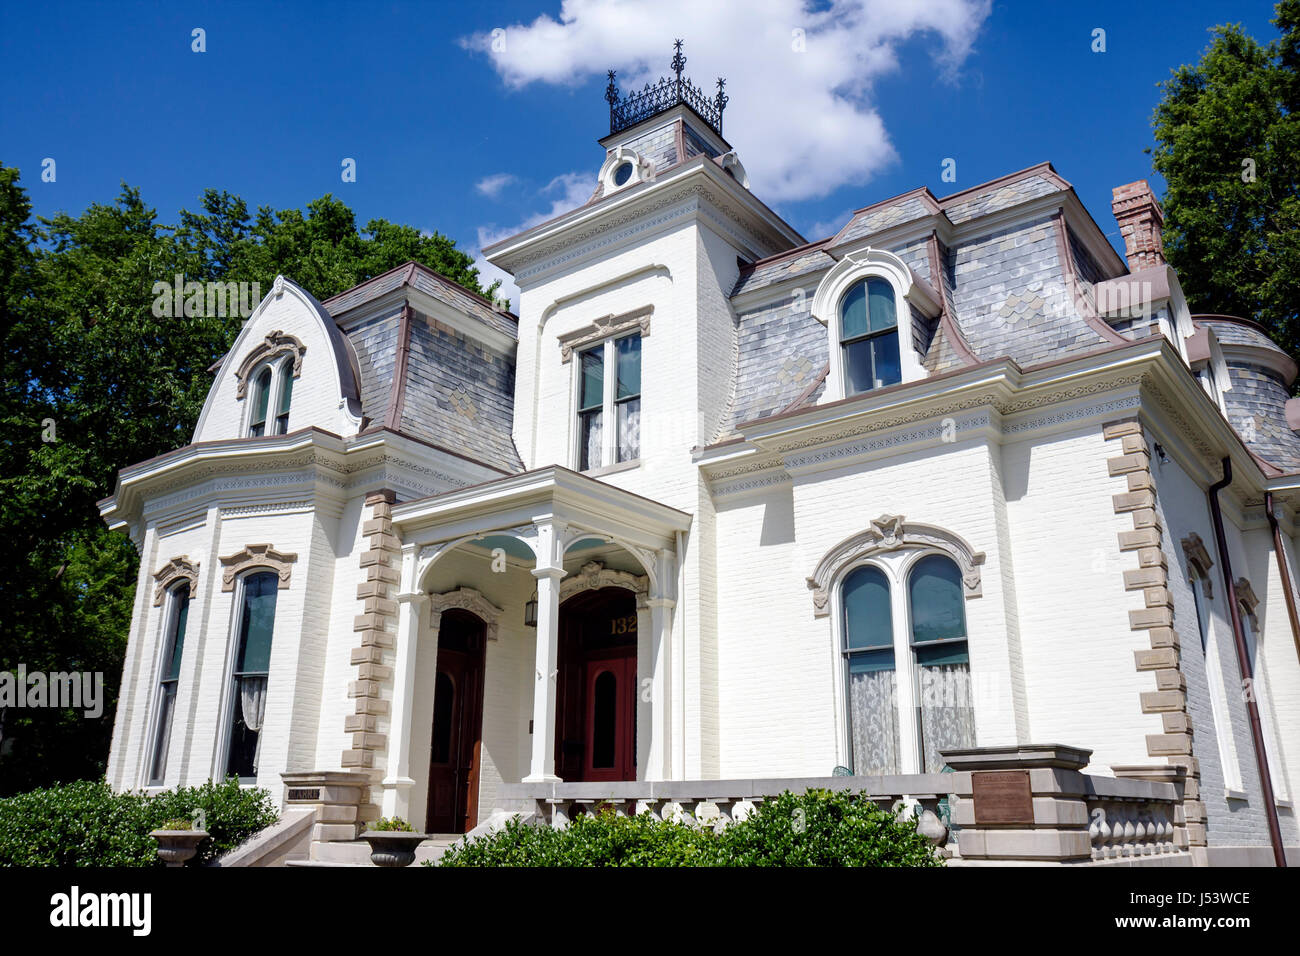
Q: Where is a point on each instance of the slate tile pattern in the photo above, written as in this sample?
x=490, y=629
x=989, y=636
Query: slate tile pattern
x=459, y=394
x=375, y=342
x=999, y=197
x=781, y=350
x=874, y=220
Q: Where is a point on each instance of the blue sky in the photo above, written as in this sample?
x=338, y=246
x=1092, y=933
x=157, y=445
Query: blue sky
x=414, y=92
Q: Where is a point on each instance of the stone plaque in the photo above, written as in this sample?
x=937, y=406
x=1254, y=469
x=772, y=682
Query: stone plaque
x=304, y=794
x=1002, y=796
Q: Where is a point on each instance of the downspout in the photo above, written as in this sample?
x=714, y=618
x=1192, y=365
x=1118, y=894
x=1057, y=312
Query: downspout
x=1284, y=570
x=1243, y=661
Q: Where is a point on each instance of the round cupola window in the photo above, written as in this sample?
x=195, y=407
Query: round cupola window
x=622, y=173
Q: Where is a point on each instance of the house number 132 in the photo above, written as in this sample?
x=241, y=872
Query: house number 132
x=623, y=625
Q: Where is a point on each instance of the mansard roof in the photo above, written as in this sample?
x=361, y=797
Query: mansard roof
x=436, y=362
x=1006, y=259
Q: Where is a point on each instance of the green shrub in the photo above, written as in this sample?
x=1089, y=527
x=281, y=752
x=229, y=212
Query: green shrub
x=823, y=828
x=392, y=824
x=817, y=828
x=87, y=824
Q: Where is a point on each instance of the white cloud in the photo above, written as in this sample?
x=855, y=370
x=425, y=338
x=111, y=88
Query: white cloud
x=565, y=192
x=491, y=186
x=803, y=122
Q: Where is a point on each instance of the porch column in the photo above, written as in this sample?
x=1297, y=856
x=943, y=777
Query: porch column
x=548, y=572
x=397, y=782
x=659, y=605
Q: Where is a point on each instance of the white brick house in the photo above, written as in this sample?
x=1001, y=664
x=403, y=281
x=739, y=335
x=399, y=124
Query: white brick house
x=722, y=503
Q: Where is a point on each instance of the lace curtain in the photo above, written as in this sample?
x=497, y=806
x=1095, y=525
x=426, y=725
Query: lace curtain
x=629, y=430
x=252, y=706
x=873, y=722
x=947, y=712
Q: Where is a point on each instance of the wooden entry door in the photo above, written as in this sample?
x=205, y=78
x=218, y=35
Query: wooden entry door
x=596, y=690
x=610, y=725
x=457, y=725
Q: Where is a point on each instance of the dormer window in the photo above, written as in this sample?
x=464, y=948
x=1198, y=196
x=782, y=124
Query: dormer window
x=625, y=167
x=261, y=399
x=263, y=417
x=868, y=302
x=869, y=336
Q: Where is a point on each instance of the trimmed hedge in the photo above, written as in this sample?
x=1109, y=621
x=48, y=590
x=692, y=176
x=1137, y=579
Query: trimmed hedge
x=816, y=828
x=87, y=824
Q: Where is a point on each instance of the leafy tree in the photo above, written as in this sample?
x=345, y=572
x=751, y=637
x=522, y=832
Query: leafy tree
x=94, y=381
x=1228, y=144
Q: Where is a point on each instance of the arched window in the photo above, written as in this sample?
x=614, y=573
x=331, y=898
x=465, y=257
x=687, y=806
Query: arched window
x=249, y=670
x=261, y=401
x=937, y=611
x=869, y=336
x=285, y=397
x=169, y=672
x=870, y=674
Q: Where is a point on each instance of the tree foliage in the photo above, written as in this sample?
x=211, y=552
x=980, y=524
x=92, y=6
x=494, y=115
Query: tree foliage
x=1228, y=145
x=94, y=381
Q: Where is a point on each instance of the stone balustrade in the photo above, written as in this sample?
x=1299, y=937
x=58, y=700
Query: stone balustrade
x=1017, y=804
x=921, y=797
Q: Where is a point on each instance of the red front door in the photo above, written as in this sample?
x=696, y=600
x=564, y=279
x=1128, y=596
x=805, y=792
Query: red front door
x=595, y=729
x=610, y=725
x=457, y=725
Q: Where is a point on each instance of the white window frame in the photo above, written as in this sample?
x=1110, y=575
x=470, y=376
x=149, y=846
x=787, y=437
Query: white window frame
x=1197, y=578
x=897, y=567
x=152, y=728
x=868, y=263
x=1264, y=703
x=643, y=171
x=221, y=757
x=609, y=403
x=281, y=367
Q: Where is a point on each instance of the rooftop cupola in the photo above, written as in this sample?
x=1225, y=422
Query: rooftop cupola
x=667, y=121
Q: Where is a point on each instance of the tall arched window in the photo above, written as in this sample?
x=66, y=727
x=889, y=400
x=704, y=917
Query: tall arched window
x=937, y=611
x=249, y=671
x=870, y=673
x=285, y=397
x=869, y=336
x=261, y=401
x=169, y=672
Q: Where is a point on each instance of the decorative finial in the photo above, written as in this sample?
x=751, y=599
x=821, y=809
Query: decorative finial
x=720, y=101
x=611, y=91
x=679, y=61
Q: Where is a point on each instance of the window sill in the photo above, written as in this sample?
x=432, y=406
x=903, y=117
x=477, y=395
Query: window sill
x=613, y=469
x=1230, y=794
x=1285, y=803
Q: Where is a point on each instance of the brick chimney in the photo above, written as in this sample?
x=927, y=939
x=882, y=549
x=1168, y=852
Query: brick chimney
x=1140, y=223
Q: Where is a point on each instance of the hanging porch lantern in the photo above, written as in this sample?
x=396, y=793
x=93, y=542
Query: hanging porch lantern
x=530, y=611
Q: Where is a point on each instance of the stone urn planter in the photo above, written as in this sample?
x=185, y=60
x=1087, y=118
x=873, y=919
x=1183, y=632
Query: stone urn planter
x=175, y=847
x=393, y=847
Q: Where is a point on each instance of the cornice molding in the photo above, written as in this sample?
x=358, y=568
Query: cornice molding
x=465, y=599
x=593, y=576
x=262, y=556
x=890, y=533
x=175, y=570
x=275, y=344
x=604, y=328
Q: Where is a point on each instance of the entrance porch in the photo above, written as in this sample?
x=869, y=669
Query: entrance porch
x=535, y=644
